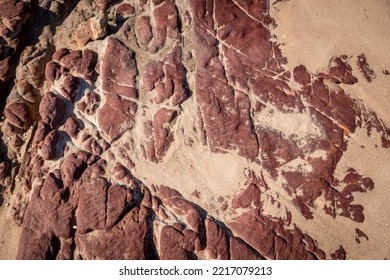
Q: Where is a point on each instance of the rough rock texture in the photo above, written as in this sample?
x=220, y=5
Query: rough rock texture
x=178, y=130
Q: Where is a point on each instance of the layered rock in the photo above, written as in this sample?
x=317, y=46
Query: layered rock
x=107, y=138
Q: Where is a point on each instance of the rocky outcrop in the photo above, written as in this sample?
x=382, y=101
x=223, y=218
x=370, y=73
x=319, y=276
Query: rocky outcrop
x=116, y=141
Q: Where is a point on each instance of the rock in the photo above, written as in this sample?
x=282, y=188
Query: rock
x=18, y=114
x=174, y=245
x=3, y=170
x=91, y=211
x=365, y=68
x=116, y=116
x=52, y=109
x=70, y=87
x=340, y=71
x=96, y=27
x=162, y=136
x=80, y=62
x=119, y=70
x=144, y=30
x=53, y=71
x=50, y=147
x=73, y=167
x=132, y=230
x=125, y=9
x=186, y=130
x=217, y=242
x=71, y=127
x=240, y=251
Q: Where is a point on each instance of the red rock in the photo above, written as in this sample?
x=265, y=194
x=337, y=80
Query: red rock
x=117, y=199
x=81, y=62
x=53, y=71
x=119, y=70
x=275, y=150
x=70, y=87
x=339, y=254
x=73, y=167
x=217, y=242
x=173, y=245
x=59, y=54
x=301, y=75
x=152, y=75
x=125, y=9
x=18, y=114
x=108, y=244
x=340, y=71
x=365, y=68
x=39, y=246
x=267, y=241
x=144, y=30
x=50, y=147
x=12, y=8
x=165, y=17
x=91, y=211
x=52, y=109
x=241, y=251
x=162, y=136
x=46, y=221
x=247, y=197
x=71, y=126
x=116, y=116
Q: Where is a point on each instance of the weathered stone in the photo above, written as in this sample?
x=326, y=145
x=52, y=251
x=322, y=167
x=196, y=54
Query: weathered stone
x=50, y=147
x=119, y=70
x=52, y=109
x=18, y=114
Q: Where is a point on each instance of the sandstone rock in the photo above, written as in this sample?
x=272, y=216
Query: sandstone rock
x=18, y=114
x=96, y=27
x=175, y=130
x=80, y=62
x=365, y=68
x=116, y=116
x=119, y=70
x=70, y=87
x=71, y=127
x=125, y=9
x=50, y=147
x=52, y=109
x=217, y=242
x=144, y=30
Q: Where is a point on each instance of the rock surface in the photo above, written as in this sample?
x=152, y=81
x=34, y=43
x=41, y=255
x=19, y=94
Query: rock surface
x=179, y=130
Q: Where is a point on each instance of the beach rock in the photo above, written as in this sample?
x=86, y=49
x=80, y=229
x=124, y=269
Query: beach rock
x=184, y=130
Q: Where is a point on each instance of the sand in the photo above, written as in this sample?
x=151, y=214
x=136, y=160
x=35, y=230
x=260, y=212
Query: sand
x=9, y=235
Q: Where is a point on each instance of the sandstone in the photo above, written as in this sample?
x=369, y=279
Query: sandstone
x=50, y=147
x=80, y=62
x=144, y=30
x=52, y=109
x=184, y=130
x=18, y=114
x=96, y=27
x=119, y=70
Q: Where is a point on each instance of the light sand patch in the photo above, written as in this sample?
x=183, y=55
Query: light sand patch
x=297, y=126
x=9, y=235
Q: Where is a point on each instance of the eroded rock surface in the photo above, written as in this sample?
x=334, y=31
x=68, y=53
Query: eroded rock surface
x=173, y=130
